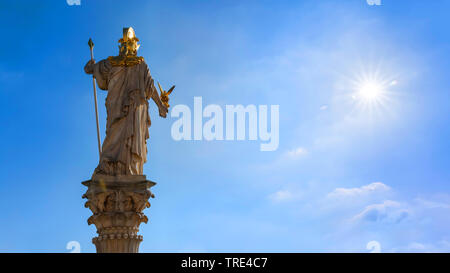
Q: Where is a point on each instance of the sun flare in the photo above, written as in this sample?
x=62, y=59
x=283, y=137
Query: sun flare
x=370, y=91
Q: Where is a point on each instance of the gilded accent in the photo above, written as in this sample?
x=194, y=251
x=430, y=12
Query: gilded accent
x=165, y=95
x=127, y=50
x=125, y=60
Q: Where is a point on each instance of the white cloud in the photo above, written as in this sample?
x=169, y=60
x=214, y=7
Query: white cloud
x=376, y=187
x=281, y=195
x=296, y=153
x=388, y=211
x=417, y=246
x=286, y=159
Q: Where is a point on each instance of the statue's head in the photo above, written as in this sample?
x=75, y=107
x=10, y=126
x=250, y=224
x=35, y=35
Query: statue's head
x=129, y=43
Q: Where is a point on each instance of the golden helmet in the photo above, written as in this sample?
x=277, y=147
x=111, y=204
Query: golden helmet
x=129, y=43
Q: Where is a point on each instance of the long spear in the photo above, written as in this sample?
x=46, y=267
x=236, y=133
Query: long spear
x=91, y=46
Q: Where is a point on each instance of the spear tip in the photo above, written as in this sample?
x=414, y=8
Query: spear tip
x=90, y=43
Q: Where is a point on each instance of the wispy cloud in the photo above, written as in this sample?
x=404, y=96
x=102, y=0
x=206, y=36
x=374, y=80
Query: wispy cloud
x=418, y=247
x=429, y=204
x=296, y=153
x=389, y=212
x=286, y=159
x=281, y=196
x=376, y=187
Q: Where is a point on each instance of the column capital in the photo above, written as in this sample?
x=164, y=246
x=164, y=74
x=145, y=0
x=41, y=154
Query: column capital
x=117, y=203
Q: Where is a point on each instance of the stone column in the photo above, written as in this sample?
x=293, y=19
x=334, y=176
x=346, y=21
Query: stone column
x=117, y=203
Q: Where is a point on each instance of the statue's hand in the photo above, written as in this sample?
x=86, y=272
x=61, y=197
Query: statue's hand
x=89, y=67
x=163, y=111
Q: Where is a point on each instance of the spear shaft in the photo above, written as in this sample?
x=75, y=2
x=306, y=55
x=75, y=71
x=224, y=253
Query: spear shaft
x=91, y=46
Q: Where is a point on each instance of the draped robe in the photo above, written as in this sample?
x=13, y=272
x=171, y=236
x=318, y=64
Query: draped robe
x=124, y=150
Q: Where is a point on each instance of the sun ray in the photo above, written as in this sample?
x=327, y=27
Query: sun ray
x=371, y=90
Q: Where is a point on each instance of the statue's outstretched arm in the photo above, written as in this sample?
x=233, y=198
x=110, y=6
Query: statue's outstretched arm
x=155, y=96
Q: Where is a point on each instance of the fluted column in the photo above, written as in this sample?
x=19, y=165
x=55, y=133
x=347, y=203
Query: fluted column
x=117, y=203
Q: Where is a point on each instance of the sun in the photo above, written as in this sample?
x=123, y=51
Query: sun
x=370, y=91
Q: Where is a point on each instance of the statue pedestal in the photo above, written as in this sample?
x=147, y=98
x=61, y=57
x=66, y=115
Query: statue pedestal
x=117, y=203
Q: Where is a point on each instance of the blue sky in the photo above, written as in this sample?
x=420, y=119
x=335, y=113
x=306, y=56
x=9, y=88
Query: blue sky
x=343, y=175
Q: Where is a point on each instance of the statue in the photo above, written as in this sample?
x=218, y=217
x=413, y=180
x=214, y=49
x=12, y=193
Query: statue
x=127, y=79
x=118, y=192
